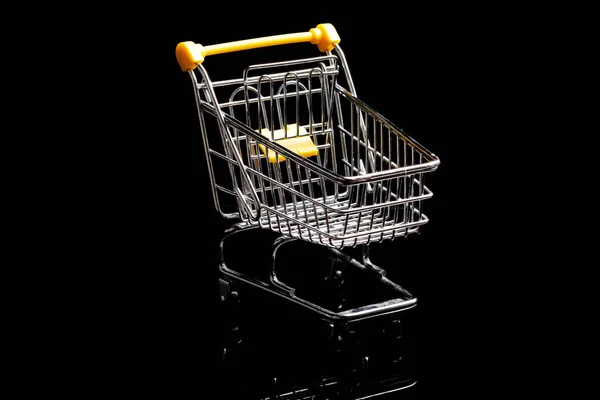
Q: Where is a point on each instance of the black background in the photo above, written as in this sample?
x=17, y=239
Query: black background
x=435, y=73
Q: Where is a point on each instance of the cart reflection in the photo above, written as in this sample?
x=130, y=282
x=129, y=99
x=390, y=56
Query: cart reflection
x=300, y=320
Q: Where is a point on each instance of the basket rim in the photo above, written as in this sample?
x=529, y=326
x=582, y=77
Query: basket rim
x=430, y=165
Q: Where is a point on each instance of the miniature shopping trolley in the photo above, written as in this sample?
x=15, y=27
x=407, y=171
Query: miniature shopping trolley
x=306, y=158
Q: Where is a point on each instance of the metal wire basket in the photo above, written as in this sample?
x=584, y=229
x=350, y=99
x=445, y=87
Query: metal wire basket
x=307, y=158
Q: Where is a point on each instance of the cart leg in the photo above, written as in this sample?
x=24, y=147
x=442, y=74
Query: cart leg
x=240, y=226
x=368, y=263
x=280, y=241
x=351, y=358
x=232, y=230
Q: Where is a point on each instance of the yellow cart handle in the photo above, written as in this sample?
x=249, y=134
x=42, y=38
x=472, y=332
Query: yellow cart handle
x=190, y=54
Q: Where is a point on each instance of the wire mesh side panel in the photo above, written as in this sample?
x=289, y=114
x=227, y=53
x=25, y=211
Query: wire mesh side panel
x=390, y=167
x=306, y=197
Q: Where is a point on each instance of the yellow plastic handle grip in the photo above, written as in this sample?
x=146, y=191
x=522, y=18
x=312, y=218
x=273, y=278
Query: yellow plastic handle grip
x=190, y=54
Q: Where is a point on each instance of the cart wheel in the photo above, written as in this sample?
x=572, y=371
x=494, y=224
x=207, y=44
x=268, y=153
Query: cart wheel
x=392, y=335
x=231, y=337
x=359, y=361
x=394, y=330
x=334, y=285
x=229, y=295
x=346, y=347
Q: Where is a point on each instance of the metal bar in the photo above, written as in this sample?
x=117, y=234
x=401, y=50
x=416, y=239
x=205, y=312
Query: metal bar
x=301, y=189
x=345, y=180
x=291, y=179
x=302, y=73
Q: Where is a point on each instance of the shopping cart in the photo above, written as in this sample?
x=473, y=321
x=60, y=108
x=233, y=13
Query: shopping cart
x=306, y=158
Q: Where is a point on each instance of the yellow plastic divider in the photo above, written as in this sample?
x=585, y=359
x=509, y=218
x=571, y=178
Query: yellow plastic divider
x=297, y=141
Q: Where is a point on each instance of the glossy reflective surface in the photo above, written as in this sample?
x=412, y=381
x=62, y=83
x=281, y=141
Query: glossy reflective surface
x=273, y=347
